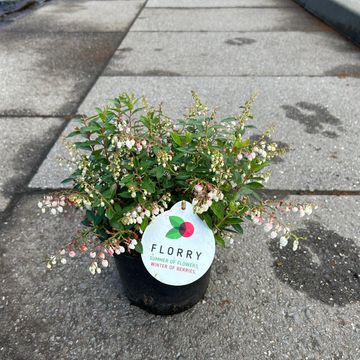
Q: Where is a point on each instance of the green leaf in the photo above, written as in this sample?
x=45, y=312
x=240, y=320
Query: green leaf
x=144, y=224
x=238, y=228
x=254, y=185
x=207, y=219
x=86, y=222
x=218, y=209
x=257, y=167
x=219, y=240
x=90, y=216
x=118, y=208
x=159, y=172
x=148, y=185
x=114, y=224
x=145, y=121
x=125, y=195
x=98, y=219
x=127, y=179
x=86, y=145
x=139, y=247
x=176, y=137
x=176, y=221
x=73, y=133
x=94, y=125
x=173, y=234
x=67, y=180
x=232, y=221
x=188, y=137
x=109, y=213
x=110, y=193
x=245, y=191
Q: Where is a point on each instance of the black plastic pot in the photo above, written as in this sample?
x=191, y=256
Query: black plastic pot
x=145, y=291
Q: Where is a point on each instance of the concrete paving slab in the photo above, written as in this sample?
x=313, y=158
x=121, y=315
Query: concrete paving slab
x=83, y=16
x=218, y=3
x=234, y=19
x=49, y=74
x=24, y=142
x=262, y=303
x=232, y=53
x=321, y=128
x=53, y=170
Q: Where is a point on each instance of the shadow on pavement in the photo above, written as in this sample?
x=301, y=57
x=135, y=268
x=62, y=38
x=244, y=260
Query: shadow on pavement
x=316, y=118
x=326, y=266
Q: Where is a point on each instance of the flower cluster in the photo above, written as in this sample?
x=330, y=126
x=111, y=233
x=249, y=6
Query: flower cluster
x=55, y=204
x=272, y=224
x=204, y=196
x=132, y=163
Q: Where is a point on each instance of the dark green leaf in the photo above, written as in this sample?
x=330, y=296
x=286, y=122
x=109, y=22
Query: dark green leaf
x=232, y=221
x=125, y=195
x=110, y=193
x=73, y=133
x=139, y=247
x=159, y=172
x=207, y=219
x=90, y=216
x=238, y=228
x=254, y=185
x=218, y=209
x=148, y=185
x=86, y=145
x=67, y=180
x=109, y=213
x=219, y=240
x=115, y=224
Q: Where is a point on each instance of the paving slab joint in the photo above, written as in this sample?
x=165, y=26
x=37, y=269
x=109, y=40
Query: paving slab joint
x=342, y=15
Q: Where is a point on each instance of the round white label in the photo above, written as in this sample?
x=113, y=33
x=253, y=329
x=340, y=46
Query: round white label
x=178, y=247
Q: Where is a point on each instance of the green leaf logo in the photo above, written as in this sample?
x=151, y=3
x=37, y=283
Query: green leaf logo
x=173, y=234
x=176, y=221
x=180, y=228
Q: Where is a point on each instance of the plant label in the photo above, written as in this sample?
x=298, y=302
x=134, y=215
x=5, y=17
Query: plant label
x=178, y=247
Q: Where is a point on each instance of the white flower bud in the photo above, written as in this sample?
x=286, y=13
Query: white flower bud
x=283, y=242
x=295, y=245
x=268, y=227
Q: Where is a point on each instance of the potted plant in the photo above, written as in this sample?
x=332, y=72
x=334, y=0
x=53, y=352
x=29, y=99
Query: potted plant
x=133, y=163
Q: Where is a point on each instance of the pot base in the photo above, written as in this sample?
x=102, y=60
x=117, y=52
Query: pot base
x=144, y=291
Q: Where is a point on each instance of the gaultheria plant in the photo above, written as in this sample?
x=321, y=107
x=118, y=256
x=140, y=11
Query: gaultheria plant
x=132, y=162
